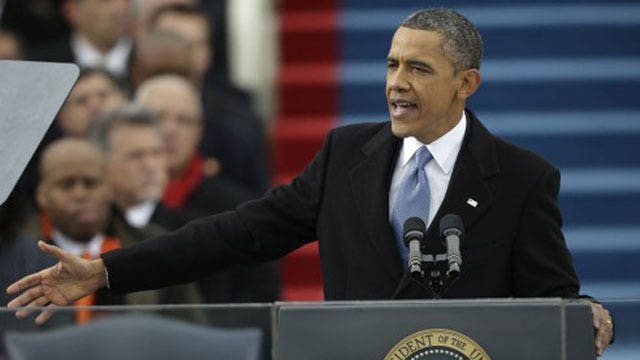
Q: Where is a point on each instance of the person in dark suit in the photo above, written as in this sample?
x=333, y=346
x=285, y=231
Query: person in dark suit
x=349, y=195
x=177, y=105
x=98, y=37
x=233, y=133
x=131, y=141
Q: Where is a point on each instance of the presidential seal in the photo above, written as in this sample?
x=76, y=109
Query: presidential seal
x=437, y=344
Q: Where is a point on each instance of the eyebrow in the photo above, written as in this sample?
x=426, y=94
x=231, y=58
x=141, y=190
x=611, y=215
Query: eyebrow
x=419, y=63
x=411, y=62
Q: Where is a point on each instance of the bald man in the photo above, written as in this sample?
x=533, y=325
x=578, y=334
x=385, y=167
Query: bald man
x=73, y=195
x=176, y=103
x=74, y=201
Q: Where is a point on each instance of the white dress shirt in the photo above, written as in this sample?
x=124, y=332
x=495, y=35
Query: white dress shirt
x=140, y=215
x=115, y=61
x=93, y=247
x=445, y=151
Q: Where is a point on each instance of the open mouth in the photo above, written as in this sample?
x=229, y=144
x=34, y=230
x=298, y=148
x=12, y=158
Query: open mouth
x=402, y=107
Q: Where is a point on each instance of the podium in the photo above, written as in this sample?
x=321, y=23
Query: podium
x=500, y=329
x=550, y=329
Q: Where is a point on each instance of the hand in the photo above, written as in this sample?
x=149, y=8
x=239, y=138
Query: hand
x=70, y=279
x=603, y=323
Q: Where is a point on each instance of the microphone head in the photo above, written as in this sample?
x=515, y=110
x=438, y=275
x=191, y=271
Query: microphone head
x=451, y=223
x=414, y=228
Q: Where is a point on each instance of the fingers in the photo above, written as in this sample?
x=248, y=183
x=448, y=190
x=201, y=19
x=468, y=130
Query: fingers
x=27, y=297
x=54, y=251
x=39, y=302
x=45, y=315
x=604, y=334
x=24, y=283
x=604, y=325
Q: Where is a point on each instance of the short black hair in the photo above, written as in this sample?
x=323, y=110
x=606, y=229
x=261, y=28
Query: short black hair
x=461, y=42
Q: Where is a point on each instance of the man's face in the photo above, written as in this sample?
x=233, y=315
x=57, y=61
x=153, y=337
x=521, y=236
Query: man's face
x=180, y=122
x=91, y=96
x=137, y=164
x=102, y=21
x=194, y=30
x=421, y=86
x=74, y=195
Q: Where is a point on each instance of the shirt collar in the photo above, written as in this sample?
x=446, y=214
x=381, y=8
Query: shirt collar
x=139, y=215
x=114, y=61
x=444, y=149
x=93, y=247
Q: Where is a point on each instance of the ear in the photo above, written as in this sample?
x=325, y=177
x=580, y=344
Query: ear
x=469, y=82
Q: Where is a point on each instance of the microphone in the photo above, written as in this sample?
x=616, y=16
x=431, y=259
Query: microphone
x=413, y=230
x=452, y=230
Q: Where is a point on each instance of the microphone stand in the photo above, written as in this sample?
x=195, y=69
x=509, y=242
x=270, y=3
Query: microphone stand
x=437, y=277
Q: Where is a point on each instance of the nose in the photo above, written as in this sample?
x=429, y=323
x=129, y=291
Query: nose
x=168, y=125
x=397, y=79
x=79, y=191
x=151, y=162
x=95, y=105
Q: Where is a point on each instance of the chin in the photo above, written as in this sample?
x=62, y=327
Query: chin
x=400, y=130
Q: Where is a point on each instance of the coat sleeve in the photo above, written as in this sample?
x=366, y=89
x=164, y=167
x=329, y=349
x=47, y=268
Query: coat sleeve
x=264, y=229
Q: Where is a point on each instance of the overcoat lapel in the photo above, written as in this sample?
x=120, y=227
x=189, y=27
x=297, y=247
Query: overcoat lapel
x=470, y=192
x=470, y=184
x=370, y=181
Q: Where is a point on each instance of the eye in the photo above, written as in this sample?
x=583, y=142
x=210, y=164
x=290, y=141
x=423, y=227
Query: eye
x=66, y=183
x=92, y=183
x=392, y=64
x=421, y=69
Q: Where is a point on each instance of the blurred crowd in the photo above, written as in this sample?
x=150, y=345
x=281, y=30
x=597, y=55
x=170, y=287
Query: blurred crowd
x=152, y=135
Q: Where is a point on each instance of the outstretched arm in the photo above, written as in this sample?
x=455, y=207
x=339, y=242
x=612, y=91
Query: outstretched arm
x=70, y=279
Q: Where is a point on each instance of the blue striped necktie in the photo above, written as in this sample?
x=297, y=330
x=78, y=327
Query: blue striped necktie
x=413, y=197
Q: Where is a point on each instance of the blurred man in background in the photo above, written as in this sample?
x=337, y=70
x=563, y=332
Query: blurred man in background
x=136, y=162
x=99, y=36
x=192, y=25
x=74, y=202
x=233, y=133
x=144, y=9
x=137, y=175
x=177, y=104
x=157, y=53
x=95, y=92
